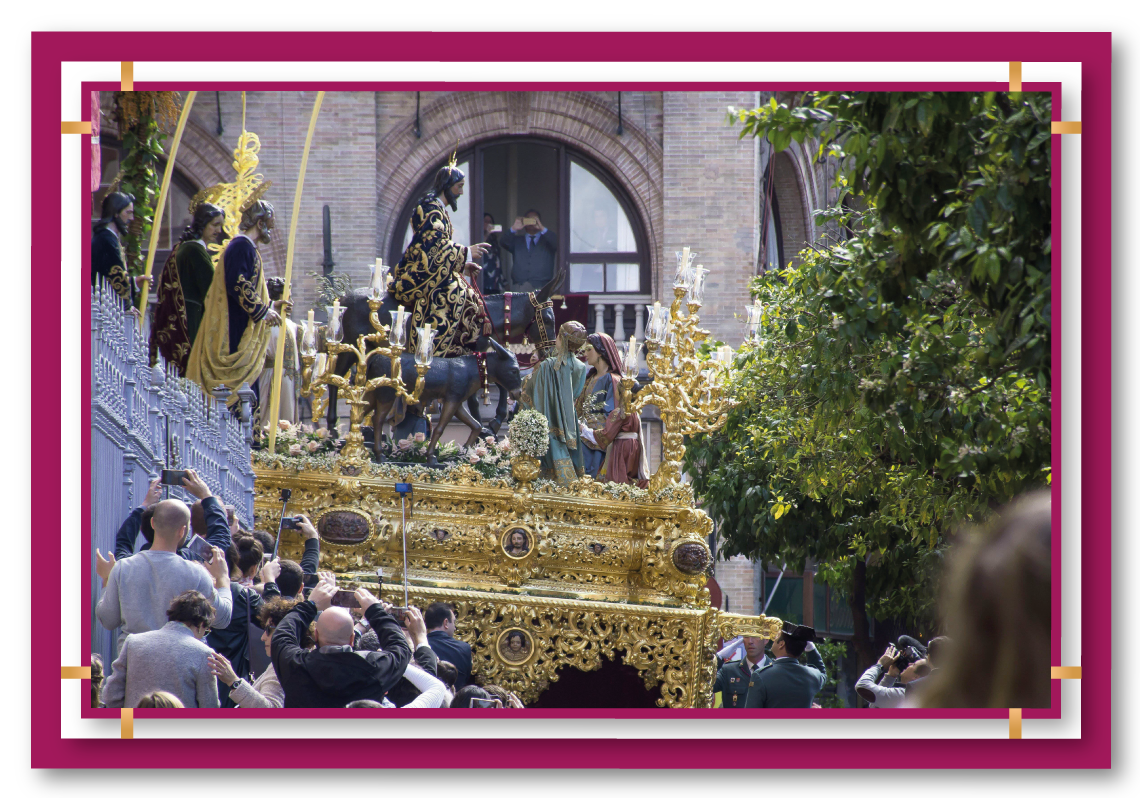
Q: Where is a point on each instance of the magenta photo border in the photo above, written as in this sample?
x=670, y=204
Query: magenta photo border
x=1092, y=50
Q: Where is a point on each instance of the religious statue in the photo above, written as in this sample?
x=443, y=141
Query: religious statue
x=429, y=279
x=290, y=365
x=551, y=390
x=182, y=288
x=108, y=259
x=611, y=440
x=230, y=347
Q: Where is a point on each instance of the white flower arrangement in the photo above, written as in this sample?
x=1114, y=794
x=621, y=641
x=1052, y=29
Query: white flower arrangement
x=530, y=434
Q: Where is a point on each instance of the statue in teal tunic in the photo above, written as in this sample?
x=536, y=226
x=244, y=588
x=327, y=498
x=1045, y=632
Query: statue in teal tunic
x=551, y=390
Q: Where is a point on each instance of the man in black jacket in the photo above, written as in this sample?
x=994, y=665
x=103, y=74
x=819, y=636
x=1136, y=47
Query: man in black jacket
x=440, y=620
x=332, y=675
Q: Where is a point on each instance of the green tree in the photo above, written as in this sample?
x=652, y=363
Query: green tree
x=143, y=117
x=889, y=398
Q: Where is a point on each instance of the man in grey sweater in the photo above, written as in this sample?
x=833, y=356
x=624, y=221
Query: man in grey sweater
x=139, y=589
x=172, y=658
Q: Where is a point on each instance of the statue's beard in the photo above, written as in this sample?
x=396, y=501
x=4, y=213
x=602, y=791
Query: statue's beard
x=450, y=200
x=266, y=233
x=120, y=225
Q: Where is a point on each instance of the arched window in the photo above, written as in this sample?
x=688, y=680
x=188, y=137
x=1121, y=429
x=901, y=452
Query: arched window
x=604, y=256
x=601, y=241
x=772, y=241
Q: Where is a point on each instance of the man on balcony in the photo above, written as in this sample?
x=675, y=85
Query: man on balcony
x=533, y=251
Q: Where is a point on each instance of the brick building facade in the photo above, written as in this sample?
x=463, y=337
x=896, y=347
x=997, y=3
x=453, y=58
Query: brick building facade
x=681, y=173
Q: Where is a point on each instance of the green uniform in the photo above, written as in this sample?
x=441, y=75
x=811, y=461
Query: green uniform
x=732, y=682
x=786, y=684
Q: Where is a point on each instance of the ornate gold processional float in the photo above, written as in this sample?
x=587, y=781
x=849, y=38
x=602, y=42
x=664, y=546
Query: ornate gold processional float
x=542, y=577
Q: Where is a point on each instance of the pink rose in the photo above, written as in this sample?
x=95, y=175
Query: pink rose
x=474, y=458
x=283, y=424
x=490, y=440
x=313, y=446
x=296, y=449
x=419, y=437
x=405, y=444
x=322, y=433
x=504, y=444
x=481, y=451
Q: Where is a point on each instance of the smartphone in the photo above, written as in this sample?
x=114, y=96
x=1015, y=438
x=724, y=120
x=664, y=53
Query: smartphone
x=291, y=522
x=482, y=703
x=399, y=613
x=200, y=548
x=345, y=598
x=172, y=477
x=529, y=221
x=496, y=228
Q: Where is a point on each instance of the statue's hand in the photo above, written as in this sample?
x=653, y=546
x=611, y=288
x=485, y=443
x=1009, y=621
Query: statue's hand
x=273, y=319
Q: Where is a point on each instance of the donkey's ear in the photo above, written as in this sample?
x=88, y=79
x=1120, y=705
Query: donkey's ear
x=498, y=347
x=483, y=342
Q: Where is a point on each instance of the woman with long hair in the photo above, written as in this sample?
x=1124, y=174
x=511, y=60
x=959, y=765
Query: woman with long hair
x=612, y=450
x=182, y=288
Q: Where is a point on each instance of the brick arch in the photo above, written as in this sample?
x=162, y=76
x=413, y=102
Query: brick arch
x=634, y=160
x=795, y=211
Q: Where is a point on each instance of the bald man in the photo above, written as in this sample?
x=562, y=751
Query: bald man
x=138, y=590
x=332, y=674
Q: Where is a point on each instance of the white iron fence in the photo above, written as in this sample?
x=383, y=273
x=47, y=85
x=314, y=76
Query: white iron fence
x=144, y=419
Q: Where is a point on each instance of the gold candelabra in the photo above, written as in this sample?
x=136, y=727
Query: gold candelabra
x=688, y=390
x=319, y=372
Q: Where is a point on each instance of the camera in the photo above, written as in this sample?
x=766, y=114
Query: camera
x=907, y=656
x=293, y=522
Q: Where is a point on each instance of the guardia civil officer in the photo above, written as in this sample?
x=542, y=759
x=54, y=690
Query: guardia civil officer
x=785, y=683
x=732, y=678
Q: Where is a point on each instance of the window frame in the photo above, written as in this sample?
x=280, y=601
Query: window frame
x=567, y=154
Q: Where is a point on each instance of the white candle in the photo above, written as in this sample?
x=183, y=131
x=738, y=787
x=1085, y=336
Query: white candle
x=336, y=306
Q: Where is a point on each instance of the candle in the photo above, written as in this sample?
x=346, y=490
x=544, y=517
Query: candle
x=336, y=306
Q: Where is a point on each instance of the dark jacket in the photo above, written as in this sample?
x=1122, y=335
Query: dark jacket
x=786, y=684
x=310, y=559
x=405, y=692
x=534, y=265
x=454, y=651
x=336, y=676
x=731, y=681
x=232, y=642
x=217, y=531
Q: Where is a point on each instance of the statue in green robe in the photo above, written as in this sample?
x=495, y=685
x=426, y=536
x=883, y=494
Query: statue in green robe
x=551, y=390
x=182, y=288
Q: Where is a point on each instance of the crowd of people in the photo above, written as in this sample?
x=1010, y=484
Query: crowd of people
x=188, y=604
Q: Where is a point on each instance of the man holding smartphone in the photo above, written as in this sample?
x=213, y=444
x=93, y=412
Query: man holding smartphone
x=333, y=674
x=533, y=249
x=138, y=590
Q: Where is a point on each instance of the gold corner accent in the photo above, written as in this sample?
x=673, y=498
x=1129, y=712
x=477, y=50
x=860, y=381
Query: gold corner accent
x=1015, y=724
x=75, y=672
x=1066, y=127
x=127, y=79
x=1065, y=672
x=1014, y=76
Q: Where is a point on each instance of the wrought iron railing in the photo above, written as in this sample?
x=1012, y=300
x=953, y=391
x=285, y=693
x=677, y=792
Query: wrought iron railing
x=144, y=419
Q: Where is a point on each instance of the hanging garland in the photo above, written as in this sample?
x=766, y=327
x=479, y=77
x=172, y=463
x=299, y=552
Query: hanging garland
x=145, y=117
